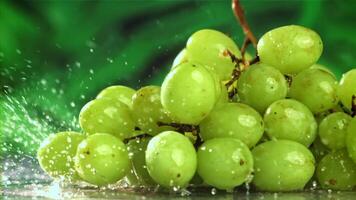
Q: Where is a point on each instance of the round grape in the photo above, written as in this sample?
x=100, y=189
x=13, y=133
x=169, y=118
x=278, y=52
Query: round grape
x=118, y=92
x=137, y=148
x=332, y=130
x=291, y=120
x=56, y=154
x=102, y=159
x=188, y=93
x=347, y=88
x=224, y=163
x=351, y=139
x=290, y=49
x=171, y=159
x=337, y=171
x=261, y=85
x=282, y=165
x=233, y=120
x=147, y=110
x=315, y=88
x=107, y=116
x=180, y=58
x=209, y=47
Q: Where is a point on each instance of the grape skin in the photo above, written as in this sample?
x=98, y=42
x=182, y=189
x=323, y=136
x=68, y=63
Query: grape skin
x=310, y=85
x=188, y=93
x=107, y=116
x=290, y=49
x=224, y=163
x=56, y=153
x=332, y=130
x=291, y=120
x=260, y=85
x=347, y=88
x=147, y=110
x=282, y=165
x=351, y=139
x=118, y=92
x=233, y=120
x=137, y=148
x=102, y=159
x=337, y=171
x=171, y=159
x=209, y=47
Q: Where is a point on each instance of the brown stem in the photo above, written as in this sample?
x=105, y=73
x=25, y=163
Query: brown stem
x=239, y=14
x=353, y=106
x=137, y=137
x=182, y=127
x=254, y=60
x=289, y=79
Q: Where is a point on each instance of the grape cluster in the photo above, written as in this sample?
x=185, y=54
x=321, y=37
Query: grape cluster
x=220, y=119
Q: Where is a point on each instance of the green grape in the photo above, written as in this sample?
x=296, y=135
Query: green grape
x=209, y=47
x=318, y=149
x=107, y=116
x=323, y=68
x=136, y=149
x=261, y=85
x=102, y=159
x=336, y=171
x=282, y=165
x=189, y=93
x=290, y=49
x=56, y=154
x=131, y=178
x=147, y=110
x=180, y=58
x=171, y=159
x=291, y=120
x=332, y=130
x=233, y=120
x=118, y=92
x=223, y=97
x=315, y=88
x=224, y=163
x=351, y=139
x=347, y=88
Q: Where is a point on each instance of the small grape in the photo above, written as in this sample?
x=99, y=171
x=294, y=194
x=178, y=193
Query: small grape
x=56, y=154
x=351, y=139
x=310, y=85
x=180, y=58
x=323, y=68
x=332, y=130
x=118, y=92
x=233, y=120
x=147, y=110
x=282, y=165
x=347, y=88
x=171, y=159
x=337, y=171
x=107, y=116
x=102, y=159
x=137, y=148
x=224, y=163
x=209, y=47
x=318, y=149
x=290, y=49
x=291, y=120
x=188, y=93
x=261, y=85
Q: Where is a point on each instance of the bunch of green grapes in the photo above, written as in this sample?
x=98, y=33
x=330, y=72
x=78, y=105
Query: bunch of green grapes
x=221, y=119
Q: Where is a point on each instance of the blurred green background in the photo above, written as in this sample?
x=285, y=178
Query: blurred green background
x=57, y=55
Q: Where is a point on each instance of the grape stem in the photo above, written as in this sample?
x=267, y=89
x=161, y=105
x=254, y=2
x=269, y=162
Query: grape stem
x=182, y=127
x=239, y=14
x=353, y=106
x=145, y=135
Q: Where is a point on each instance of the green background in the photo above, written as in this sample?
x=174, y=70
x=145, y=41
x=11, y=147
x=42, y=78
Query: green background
x=57, y=55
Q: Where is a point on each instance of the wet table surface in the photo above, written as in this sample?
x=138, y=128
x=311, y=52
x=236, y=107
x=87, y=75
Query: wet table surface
x=54, y=191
